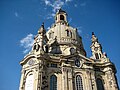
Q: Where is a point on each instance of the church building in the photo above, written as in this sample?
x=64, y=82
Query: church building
x=58, y=61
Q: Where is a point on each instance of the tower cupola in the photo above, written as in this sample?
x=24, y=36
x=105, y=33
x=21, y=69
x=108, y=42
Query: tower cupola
x=40, y=40
x=61, y=16
x=96, y=47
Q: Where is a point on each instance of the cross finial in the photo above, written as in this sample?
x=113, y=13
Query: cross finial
x=93, y=33
x=43, y=24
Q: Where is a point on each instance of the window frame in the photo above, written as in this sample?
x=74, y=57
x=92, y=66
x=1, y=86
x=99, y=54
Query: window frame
x=62, y=17
x=53, y=65
x=100, y=84
x=96, y=55
x=78, y=84
x=29, y=77
x=53, y=82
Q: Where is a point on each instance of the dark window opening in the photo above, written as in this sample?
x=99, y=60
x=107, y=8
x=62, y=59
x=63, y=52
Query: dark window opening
x=77, y=62
x=53, y=82
x=100, y=55
x=71, y=34
x=72, y=51
x=67, y=32
x=79, y=85
x=57, y=50
x=61, y=17
x=46, y=49
x=100, y=85
x=34, y=47
x=53, y=65
x=37, y=48
x=96, y=55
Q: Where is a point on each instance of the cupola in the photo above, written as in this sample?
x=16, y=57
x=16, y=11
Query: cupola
x=61, y=16
x=96, y=47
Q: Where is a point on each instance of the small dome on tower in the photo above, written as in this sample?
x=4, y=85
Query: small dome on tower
x=61, y=17
x=61, y=11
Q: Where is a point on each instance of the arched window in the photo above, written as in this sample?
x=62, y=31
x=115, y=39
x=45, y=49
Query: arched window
x=53, y=82
x=79, y=85
x=100, y=85
x=71, y=34
x=46, y=49
x=61, y=17
x=29, y=82
x=96, y=55
x=72, y=51
x=34, y=47
x=37, y=47
x=67, y=32
x=100, y=55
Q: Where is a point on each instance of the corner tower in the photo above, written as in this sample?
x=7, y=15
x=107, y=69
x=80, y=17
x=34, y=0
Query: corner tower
x=96, y=47
x=39, y=41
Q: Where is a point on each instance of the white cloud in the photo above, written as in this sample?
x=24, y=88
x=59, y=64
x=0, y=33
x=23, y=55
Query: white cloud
x=48, y=28
x=47, y=2
x=55, y=5
x=70, y=20
x=16, y=14
x=68, y=0
x=75, y=5
x=83, y=4
x=50, y=15
x=53, y=14
x=87, y=36
x=27, y=43
x=79, y=30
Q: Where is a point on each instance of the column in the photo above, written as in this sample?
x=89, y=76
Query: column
x=21, y=87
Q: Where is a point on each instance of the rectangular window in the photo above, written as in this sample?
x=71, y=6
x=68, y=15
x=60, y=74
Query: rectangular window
x=53, y=65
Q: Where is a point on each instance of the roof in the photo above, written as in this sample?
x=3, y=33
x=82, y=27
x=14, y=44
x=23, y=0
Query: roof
x=61, y=11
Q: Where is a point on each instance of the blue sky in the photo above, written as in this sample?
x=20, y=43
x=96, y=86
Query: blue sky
x=21, y=19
